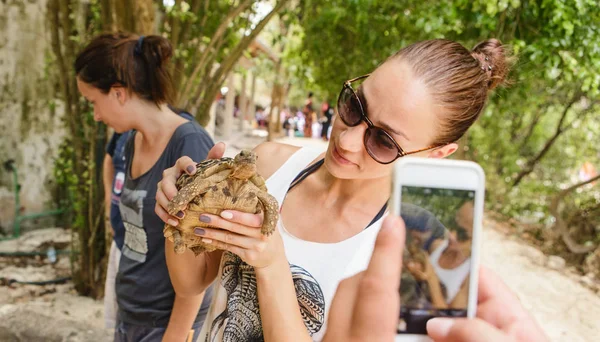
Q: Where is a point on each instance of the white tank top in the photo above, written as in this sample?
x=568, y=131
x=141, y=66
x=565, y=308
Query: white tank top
x=451, y=278
x=317, y=269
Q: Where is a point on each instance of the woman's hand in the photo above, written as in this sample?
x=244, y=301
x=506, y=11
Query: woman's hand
x=419, y=266
x=166, y=189
x=240, y=234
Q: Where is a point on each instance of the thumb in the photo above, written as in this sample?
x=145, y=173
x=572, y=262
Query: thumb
x=216, y=151
x=464, y=330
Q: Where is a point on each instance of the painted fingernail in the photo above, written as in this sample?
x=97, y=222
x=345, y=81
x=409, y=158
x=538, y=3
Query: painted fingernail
x=190, y=169
x=199, y=231
x=172, y=222
x=227, y=215
x=207, y=240
x=204, y=218
x=180, y=214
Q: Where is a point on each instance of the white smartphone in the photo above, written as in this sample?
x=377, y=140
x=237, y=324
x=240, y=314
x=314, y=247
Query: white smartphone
x=441, y=203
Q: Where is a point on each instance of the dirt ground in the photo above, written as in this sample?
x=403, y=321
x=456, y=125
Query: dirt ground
x=560, y=300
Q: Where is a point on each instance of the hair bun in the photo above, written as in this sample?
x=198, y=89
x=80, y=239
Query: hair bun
x=494, y=59
x=157, y=48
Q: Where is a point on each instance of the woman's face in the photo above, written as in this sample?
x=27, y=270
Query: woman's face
x=107, y=107
x=396, y=101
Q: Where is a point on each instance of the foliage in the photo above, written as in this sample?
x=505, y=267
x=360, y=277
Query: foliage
x=535, y=135
x=209, y=38
x=76, y=168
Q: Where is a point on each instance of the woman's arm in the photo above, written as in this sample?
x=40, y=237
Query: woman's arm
x=108, y=174
x=190, y=274
x=182, y=317
x=461, y=299
x=279, y=309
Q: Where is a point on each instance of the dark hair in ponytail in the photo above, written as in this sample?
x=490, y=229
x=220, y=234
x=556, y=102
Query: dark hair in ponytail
x=138, y=63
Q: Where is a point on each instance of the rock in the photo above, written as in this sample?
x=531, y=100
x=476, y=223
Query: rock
x=533, y=254
x=555, y=262
x=27, y=324
x=589, y=280
x=38, y=240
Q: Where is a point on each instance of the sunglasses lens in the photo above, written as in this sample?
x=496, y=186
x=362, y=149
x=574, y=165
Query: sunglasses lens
x=380, y=145
x=349, y=107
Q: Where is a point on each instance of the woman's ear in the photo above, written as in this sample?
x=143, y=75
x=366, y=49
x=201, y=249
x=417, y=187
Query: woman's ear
x=444, y=151
x=121, y=94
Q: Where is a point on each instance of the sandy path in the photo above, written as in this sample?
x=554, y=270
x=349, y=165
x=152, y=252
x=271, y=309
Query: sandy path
x=565, y=309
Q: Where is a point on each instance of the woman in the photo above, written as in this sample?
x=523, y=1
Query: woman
x=126, y=79
x=445, y=264
x=424, y=98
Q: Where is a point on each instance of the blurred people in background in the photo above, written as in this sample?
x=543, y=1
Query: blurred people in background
x=327, y=111
x=308, y=112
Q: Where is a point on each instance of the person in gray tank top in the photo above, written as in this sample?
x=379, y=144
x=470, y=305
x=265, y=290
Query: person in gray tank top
x=126, y=79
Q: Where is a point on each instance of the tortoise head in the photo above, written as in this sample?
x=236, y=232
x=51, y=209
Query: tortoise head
x=245, y=165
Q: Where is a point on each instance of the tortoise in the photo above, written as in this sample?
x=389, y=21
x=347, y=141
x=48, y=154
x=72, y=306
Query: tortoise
x=217, y=185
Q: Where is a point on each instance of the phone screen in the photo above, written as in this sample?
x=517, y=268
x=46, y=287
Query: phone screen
x=437, y=257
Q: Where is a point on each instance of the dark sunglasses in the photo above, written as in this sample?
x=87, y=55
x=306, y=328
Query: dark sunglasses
x=379, y=143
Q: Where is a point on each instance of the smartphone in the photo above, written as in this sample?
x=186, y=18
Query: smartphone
x=441, y=203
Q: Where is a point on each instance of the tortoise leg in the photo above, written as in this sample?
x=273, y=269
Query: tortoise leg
x=198, y=250
x=190, y=191
x=178, y=241
x=271, y=208
x=259, y=182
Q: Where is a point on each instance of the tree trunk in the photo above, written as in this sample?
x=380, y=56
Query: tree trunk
x=561, y=225
x=85, y=146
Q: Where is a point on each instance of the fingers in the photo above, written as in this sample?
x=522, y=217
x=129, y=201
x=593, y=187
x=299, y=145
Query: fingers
x=245, y=219
x=216, y=151
x=164, y=216
x=229, y=238
x=386, y=261
x=497, y=304
x=491, y=286
x=184, y=164
x=239, y=251
x=161, y=198
x=464, y=330
x=170, y=176
x=378, y=301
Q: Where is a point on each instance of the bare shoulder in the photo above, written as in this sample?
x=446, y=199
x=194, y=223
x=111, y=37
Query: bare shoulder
x=435, y=244
x=271, y=156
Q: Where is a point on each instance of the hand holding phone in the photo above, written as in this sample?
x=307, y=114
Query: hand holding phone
x=441, y=203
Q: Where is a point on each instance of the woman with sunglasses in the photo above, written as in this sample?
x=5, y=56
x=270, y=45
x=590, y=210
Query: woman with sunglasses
x=420, y=101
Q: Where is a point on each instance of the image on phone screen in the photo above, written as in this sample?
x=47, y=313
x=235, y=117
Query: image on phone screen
x=437, y=257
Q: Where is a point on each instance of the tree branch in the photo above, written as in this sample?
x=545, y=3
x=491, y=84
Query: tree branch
x=226, y=66
x=530, y=165
x=216, y=36
x=183, y=42
x=534, y=122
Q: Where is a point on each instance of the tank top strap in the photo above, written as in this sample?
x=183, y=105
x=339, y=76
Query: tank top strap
x=280, y=181
x=435, y=255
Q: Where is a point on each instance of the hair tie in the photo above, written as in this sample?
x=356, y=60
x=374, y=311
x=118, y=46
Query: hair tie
x=488, y=66
x=138, y=46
